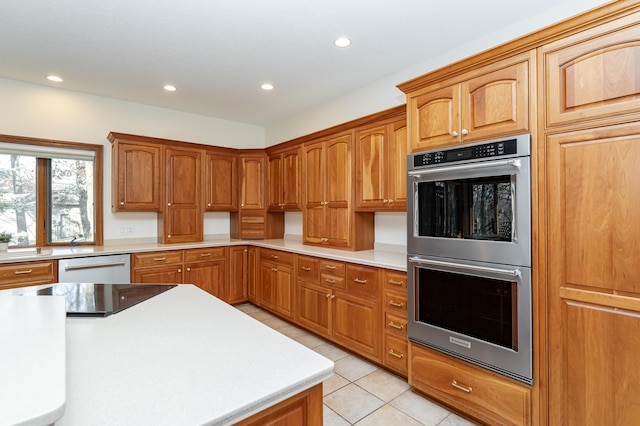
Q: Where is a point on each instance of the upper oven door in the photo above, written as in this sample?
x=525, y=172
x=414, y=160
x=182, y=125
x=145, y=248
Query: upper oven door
x=476, y=211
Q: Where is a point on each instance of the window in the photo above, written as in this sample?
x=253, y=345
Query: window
x=50, y=192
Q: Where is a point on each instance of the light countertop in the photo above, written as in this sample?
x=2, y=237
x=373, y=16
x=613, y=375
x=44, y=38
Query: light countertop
x=182, y=357
x=393, y=257
x=32, y=360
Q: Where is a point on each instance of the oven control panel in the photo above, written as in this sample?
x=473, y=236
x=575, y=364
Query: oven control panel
x=472, y=152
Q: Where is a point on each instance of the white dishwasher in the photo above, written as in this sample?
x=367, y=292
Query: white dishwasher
x=108, y=269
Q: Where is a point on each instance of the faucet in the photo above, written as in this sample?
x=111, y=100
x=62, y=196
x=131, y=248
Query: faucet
x=73, y=242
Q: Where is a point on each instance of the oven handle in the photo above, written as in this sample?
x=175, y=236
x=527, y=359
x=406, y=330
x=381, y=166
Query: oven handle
x=512, y=162
x=454, y=267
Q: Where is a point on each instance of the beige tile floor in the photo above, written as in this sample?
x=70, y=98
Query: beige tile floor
x=360, y=393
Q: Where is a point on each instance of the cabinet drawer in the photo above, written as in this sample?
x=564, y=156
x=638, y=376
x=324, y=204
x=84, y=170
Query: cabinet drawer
x=281, y=257
x=491, y=398
x=396, y=325
x=335, y=268
x=26, y=272
x=395, y=281
x=142, y=260
x=362, y=279
x=396, y=353
x=333, y=281
x=202, y=255
x=252, y=220
x=308, y=269
x=395, y=303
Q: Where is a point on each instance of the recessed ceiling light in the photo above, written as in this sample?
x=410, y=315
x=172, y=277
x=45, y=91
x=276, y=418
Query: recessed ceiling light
x=169, y=88
x=267, y=86
x=54, y=78
x=342, y=42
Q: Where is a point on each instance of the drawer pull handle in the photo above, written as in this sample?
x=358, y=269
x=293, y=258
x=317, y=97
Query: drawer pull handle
x=466, y=389
x=159, y=259
x=305, y=268
x=329, y=280
x=274, y=269
x=396, y=304
x=396, y=326
x=359, y=281
x=205, y=254
x=328, y=295
x=333, y=296
x=331, y=267
x=273, y=256
x=25, y=272
x=394, y=282
x=392, y=353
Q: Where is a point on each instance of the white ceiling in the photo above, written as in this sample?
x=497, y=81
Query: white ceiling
x=218, y=52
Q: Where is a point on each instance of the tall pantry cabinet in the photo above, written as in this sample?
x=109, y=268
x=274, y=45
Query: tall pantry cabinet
x=591, y=147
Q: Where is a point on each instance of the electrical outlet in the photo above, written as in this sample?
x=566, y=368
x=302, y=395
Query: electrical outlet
x=126, y=230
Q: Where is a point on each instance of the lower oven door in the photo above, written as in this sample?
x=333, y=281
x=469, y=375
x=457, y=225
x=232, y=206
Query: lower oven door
x=475, y=311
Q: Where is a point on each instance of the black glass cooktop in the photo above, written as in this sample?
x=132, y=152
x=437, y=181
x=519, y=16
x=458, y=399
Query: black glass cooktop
x=102, y=300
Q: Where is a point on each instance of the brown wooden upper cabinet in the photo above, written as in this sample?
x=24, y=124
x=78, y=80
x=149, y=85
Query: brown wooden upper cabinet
x=136, y=175
x=482, y=104
x=221, y=181
x=327, y=191
x=252, y=171
x=381, y=165
x=182, y=216
x=284, y=181
x=593, y=74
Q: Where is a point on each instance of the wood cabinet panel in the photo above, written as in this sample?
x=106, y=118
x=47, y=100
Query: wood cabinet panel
x=362, y=280
x=284, y=181
x=487, y=396
x=396, y=172
x=396, y=354
x=252, y=186
x=204, y=254
x=156, y=258
x=284, y=290
x=313, y=308
x=483, y=104
x=308, y=269
x=169, y=274
x=356, y=324
x=209, y=276
x=136, y=176
x=182, y=216
x=236, y=286
x=253, y=274
x=221, y=182
x=28, y=273
x=304, y=408
x=593, y=74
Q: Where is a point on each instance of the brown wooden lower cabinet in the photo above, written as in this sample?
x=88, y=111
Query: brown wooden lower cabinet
x=236, y=285
x=487, y=396
x=24, y=274
x=276, y=282
x=304, y=408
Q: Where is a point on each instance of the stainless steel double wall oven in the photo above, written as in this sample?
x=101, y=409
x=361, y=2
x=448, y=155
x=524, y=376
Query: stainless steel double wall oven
x=469, y=253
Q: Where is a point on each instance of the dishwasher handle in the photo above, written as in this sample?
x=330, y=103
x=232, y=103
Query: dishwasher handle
x=94, y=265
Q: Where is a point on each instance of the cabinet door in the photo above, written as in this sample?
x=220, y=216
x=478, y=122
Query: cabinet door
x=275, y=182
x=267, y=285
x=339, y=171
x=284, y=290
x=253, y=274
x=252, y=185
x=209, y=276
x=160, y=275
x=236, y=289
x=371, y=191
x=312, y=308
x=496, y=103
x=221, y=186
x=436, y=118
x=356, y=324
x=593, y=74
x=183, y=215
x=291, y=180
x=315, y=219
x=136, y=177
x=594, y=294
x=396, y=172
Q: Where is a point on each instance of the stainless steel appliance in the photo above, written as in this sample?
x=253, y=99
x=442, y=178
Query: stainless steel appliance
x=108, y=269
x=472, y=202
x=469, y=253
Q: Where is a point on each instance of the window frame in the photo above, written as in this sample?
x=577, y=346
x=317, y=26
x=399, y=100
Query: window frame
x=41, y=187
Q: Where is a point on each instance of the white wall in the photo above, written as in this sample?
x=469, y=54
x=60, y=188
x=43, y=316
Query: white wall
x=50, y=113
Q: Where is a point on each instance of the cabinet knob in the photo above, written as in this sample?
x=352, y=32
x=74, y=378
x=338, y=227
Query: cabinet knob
x=122, y=203
x=385, y=201
x=208, y=204
x=274, y=270
x=328, y=295
x=273, y=256
x=188, y=270
x=454, y=134
x=168, y=204
x=464, y=132
x=179, y=270
x=333, y=296
x=390, y=201
x=169, y=236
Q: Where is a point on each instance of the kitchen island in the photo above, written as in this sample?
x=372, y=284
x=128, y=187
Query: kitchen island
x=184, y=357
